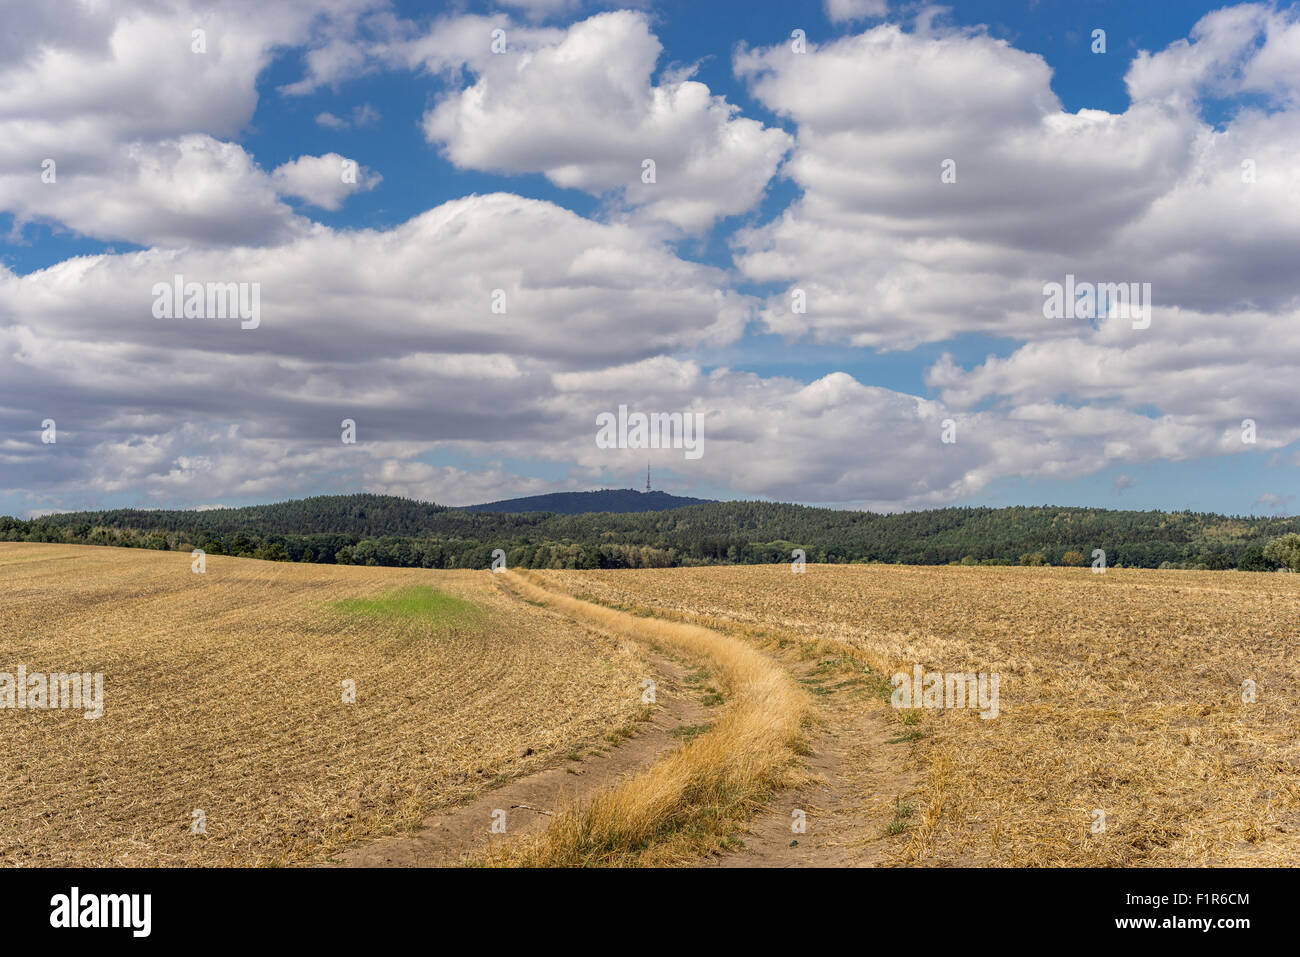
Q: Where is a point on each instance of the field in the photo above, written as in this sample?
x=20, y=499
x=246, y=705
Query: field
x=1120, y=701
x=223, y=694
x=1120, y=692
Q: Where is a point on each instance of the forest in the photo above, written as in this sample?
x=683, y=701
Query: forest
x=366, y=529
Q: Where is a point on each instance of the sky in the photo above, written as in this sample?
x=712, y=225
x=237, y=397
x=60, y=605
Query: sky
x=827, y=232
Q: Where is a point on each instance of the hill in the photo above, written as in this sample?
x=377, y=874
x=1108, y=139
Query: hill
x=386, y=530
x=363, y=515
x=624, y=500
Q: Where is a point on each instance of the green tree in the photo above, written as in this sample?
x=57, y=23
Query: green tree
x=1285, y=551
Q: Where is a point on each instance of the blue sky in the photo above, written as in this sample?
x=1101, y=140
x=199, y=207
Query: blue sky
x=819, y=172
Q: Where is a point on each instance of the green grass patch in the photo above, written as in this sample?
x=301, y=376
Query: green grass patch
x=689, y=732
x=906, y=738
x=699, y=677
x=419, y=603
x=902, y=811
x=879, y=686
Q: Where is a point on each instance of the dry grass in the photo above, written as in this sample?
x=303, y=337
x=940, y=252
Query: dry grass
x=1119, y=692
x=697, y=797
x=223, y=693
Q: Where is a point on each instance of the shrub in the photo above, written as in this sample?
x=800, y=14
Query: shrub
x=1285, y=551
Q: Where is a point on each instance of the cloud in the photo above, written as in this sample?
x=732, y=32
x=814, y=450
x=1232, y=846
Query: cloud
x=324, y=181
x=578, y=104
x=33, y=513
x=192, y=190
x=845, y=11
x=1274, y=502
x=1273, y=499
x=361, y=116
x=138, y=122
x=564, y=288
x=365, y=324
x=581, y=107
x=1250, y=48
x=781, y=438
x=1207, y=372
x=888, y=254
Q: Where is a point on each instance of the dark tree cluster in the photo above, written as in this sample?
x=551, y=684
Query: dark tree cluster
x=385, y=530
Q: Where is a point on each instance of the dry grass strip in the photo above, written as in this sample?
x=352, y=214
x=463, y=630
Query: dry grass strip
x=697, y=797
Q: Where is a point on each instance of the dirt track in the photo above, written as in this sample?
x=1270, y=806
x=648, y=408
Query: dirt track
x=860, y=774
x=857, y=774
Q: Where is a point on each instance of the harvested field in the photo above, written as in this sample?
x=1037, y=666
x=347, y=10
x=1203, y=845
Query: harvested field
x=222, y=693
x=1119, y=693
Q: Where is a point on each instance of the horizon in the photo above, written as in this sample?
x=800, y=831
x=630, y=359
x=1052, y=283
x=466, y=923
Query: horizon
x=1028, y=505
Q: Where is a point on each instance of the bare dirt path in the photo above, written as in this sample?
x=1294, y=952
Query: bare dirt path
x=862, y=774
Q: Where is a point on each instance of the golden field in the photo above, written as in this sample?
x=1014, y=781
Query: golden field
x=1120, y=692
x=223, y=693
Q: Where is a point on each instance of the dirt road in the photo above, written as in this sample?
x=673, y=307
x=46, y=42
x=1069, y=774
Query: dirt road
x=852, y=809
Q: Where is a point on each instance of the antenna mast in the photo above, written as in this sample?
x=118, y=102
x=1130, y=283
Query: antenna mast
x=647, y=476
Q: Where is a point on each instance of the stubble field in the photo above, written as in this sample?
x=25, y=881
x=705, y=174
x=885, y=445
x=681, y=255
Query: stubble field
x=1120, y=701
x=1120, y=693
x=223, y=694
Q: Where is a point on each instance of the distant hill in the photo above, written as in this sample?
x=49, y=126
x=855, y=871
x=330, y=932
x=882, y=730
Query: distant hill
x=622, y=500
x=635, y=529
x=364, y=515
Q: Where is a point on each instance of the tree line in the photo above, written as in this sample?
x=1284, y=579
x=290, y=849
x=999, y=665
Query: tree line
x=386, y=530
